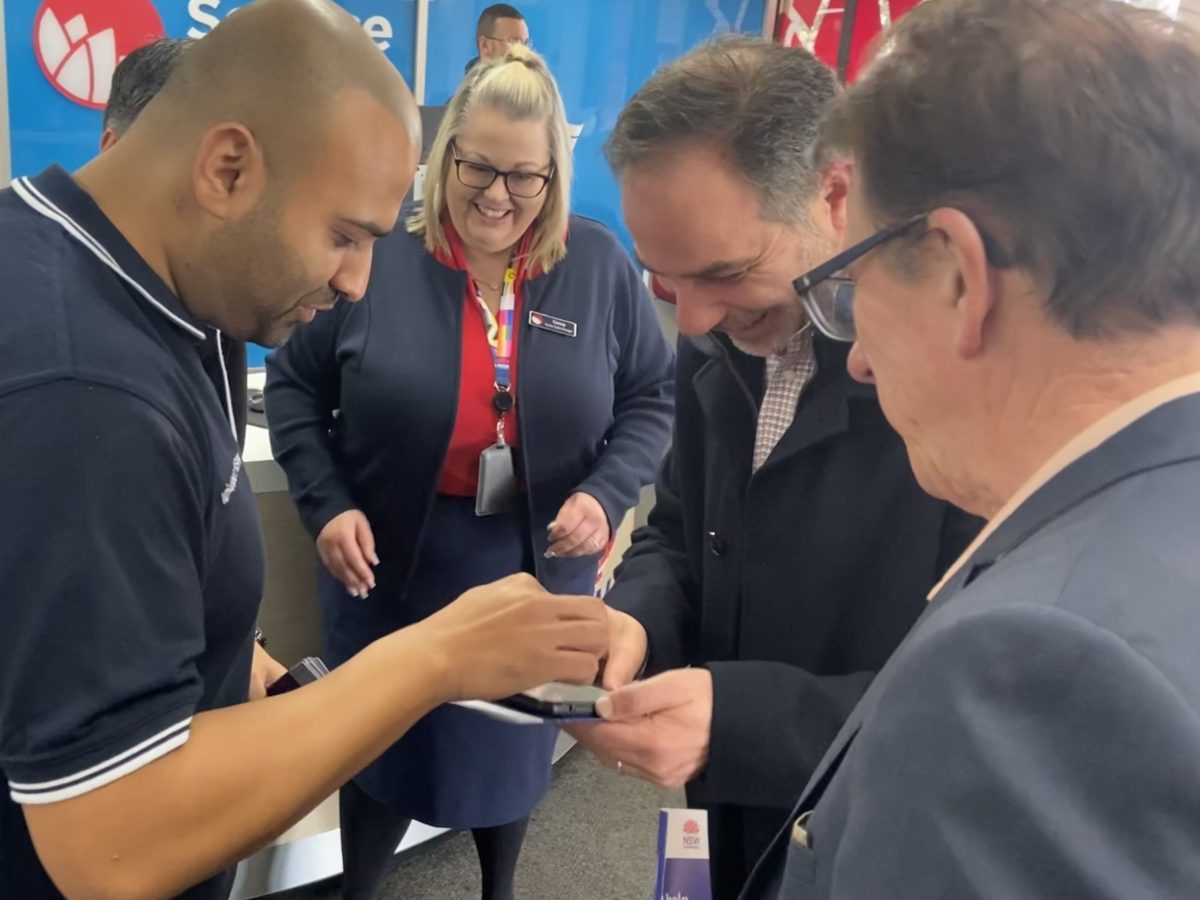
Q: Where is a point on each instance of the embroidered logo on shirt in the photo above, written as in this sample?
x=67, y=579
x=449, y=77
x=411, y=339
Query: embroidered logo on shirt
x=231, y=485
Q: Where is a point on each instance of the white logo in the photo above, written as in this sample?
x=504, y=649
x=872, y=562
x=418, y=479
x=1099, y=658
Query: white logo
x=78, y=43
x=231, y=485
x=207, y=14
x=721, y=24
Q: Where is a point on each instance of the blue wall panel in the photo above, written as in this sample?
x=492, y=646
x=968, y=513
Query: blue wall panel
x=47, y=126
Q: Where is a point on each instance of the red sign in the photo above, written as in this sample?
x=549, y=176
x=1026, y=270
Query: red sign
x=79, y=43
x=817, y=26
x=691, y=826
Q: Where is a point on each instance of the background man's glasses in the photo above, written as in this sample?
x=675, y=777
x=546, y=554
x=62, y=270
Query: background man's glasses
x=528, y=42
x=828, y=292
x=525, y=185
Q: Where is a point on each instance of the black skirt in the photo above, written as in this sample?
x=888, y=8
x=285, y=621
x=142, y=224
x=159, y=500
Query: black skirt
x=455, y=768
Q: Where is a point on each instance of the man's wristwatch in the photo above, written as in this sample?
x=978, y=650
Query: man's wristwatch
x=260, y=638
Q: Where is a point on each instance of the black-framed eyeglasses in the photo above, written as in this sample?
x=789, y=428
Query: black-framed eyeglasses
x=479, y=176
x=828, y=292
x=528, y=42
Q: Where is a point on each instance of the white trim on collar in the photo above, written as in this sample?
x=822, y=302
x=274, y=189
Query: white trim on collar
x=39, y=203
x=36, y=201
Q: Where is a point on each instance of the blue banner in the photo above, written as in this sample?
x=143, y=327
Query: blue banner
x=61, y=54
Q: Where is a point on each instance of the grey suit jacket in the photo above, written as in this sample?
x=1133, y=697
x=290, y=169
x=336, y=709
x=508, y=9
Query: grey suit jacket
x=1037, y=734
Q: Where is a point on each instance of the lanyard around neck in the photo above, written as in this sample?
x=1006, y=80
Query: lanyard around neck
x=500, y=341
x=500, y=328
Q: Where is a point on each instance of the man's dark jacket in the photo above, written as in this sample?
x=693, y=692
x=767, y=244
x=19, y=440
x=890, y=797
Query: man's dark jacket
x=792, y=586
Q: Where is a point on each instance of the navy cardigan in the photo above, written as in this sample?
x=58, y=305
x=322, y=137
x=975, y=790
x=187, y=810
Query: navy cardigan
x=361, y=403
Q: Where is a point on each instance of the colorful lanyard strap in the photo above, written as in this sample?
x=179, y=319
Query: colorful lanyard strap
x=500, y=340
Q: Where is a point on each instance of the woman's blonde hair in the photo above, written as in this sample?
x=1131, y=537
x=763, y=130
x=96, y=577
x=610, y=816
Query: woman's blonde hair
x=521, y=87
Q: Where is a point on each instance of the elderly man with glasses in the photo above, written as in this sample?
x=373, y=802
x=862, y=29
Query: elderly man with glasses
x=790, y=548
x=1023, y=287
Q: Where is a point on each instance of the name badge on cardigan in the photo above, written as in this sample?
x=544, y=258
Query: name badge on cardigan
x=553, y=324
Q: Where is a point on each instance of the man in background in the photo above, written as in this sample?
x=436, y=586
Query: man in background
x=136, y=81
x=499, y=25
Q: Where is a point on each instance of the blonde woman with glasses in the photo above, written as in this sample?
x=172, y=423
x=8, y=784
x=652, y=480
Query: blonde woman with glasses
x=501, y=394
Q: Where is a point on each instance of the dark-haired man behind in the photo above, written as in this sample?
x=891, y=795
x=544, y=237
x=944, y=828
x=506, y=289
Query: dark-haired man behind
x=136, y=81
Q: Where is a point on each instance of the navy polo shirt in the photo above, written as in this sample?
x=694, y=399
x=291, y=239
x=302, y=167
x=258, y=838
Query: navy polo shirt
x=131, y=562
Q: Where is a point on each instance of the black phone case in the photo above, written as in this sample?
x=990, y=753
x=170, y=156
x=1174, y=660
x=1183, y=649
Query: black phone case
x=551, y=709
x=304, y=672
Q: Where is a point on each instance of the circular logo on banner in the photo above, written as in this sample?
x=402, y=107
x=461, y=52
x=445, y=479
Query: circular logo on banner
x=78, y=43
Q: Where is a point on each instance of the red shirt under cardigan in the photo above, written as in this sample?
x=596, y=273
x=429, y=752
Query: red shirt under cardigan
x=475, y=423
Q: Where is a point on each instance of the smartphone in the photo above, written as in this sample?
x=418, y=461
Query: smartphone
x=557, y=701
x=304, y=672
